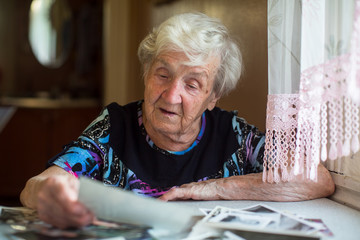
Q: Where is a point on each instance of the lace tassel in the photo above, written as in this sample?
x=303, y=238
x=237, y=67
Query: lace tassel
x=332, y=152
x=276, y=175
x=292, y=174
x=264, y=176
x=323, y=153
x=270, y=177
x=299, y=165
x=284, y=175
x=313, y=173
x=346, y=147
x=339, y=147
x=355, y=144
x=296, y=168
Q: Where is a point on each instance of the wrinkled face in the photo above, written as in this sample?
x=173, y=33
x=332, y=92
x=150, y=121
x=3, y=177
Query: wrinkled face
x=176, y=95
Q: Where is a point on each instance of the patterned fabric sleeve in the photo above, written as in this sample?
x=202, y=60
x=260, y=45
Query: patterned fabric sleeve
x=249, y=156
x=85, y=156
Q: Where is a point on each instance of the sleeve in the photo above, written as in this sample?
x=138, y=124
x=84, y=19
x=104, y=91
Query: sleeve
x=85, y=156
x=251, y=151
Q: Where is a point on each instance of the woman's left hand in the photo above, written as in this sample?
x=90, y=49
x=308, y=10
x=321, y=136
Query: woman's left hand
x=205, y=190
x=252, y=187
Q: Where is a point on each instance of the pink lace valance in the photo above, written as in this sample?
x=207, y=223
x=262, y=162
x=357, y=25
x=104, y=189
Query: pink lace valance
x=321, y=121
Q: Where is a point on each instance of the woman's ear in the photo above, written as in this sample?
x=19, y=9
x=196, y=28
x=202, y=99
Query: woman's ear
x=213, y=102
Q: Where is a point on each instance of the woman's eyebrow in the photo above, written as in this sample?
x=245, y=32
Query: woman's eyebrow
x=162, y=61
x=201, y=74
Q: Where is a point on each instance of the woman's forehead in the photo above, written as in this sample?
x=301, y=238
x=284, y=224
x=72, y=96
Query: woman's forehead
x=176, y=59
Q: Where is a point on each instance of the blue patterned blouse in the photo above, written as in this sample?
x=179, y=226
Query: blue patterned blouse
x=116, y=150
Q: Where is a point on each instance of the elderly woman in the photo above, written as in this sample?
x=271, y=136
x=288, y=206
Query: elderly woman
x=174, y=144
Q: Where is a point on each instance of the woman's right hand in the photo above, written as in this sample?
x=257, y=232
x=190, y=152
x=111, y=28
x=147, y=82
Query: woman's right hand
x=58, y=205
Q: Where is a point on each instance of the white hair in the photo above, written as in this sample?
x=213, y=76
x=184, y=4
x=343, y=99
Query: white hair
x=199, y=37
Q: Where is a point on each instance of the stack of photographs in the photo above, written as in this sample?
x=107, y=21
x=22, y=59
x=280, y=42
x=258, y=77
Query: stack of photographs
x=23, y=223
x=256, y=222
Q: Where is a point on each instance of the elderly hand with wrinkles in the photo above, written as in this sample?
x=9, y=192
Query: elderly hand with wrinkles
x=57, y=199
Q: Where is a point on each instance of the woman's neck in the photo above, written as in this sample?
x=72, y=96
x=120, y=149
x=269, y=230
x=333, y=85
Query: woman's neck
x=172, y=142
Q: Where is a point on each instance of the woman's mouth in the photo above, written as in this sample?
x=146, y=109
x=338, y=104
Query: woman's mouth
x=166, y=112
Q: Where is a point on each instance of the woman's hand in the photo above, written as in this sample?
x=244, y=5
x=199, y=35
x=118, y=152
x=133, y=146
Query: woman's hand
x=58, y=205
x=205, y=190
x=251, y=187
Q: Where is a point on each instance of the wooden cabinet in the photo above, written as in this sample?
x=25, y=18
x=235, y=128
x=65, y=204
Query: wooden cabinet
x=31, y=138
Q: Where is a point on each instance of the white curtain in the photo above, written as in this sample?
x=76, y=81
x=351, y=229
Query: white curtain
x=314, y=85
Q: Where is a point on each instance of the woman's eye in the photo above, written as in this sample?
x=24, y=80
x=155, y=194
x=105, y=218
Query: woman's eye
x=163, y=76
x=191, y=86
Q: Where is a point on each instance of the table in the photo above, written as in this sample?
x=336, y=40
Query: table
x=343, y=221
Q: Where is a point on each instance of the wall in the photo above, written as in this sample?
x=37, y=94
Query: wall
x=31, y=138
x=126, y=23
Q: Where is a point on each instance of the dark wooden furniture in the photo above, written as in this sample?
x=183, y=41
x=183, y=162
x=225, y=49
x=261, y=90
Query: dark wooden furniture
x=31, y=138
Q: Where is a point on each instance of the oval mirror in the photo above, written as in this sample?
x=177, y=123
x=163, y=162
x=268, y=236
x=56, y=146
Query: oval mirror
x=50, y=31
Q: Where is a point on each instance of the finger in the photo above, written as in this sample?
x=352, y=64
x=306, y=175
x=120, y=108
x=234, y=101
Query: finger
x=64, y=192
x=168, y=196
x=63, y=223
x=174, y=194
x=52, y=214
x=60, y=217
x=58, y=207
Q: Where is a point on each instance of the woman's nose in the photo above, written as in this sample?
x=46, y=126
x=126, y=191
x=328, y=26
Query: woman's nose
x=172, y=92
